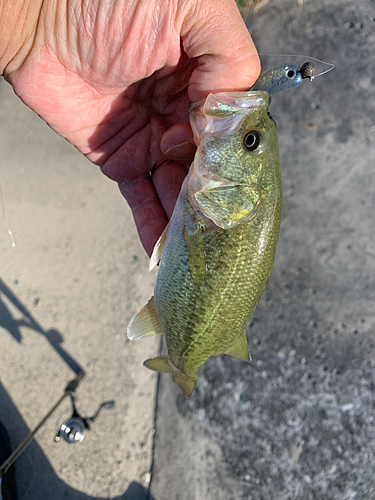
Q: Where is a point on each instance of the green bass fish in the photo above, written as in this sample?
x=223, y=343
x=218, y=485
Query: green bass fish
x=217, y=253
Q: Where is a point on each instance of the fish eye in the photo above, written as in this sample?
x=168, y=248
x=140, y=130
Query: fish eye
x=252, y=140
x=291, y=73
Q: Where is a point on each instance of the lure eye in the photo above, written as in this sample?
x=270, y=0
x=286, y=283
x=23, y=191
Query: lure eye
x=252, y=140
x=291, y=73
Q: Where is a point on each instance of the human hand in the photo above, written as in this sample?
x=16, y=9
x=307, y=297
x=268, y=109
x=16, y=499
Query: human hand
x=115, y=79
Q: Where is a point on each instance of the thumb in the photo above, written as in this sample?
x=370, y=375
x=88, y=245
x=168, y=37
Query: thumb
x=214, y=33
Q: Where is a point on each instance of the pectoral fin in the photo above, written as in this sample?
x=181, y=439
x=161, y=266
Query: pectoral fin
x=240, y=349
x=227, y=205
x=158, y=249
x=195, y=244
x=145, y=323
x=163, y=364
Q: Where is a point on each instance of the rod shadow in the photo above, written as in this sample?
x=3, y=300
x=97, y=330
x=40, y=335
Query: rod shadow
x=7, y=321
x=35, y=477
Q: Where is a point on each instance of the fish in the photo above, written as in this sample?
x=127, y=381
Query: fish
x=217, y=252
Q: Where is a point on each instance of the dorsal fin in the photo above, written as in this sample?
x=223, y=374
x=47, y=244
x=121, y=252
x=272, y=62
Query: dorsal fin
x=158, y=249
x=240, y=349
x=145, y=323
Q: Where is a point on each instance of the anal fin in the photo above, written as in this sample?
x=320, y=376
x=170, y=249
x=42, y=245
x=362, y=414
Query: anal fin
x=163, y=364
x=240, y=349
x=145, y=323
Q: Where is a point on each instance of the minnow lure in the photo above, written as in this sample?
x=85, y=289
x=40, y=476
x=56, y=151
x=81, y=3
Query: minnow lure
x=288, y=76
x=281, y=77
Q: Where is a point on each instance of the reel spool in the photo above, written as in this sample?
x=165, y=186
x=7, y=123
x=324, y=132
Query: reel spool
x=72, y=431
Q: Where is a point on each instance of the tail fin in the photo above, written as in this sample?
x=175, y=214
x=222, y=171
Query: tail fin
x=163, y=364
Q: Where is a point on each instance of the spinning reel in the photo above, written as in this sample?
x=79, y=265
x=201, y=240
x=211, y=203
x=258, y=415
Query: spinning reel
x=71, y=431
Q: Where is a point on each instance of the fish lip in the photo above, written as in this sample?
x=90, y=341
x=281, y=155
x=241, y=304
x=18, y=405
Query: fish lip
x=235, y=94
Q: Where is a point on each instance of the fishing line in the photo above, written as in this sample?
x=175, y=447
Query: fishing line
x=30, y=132
x=3, y=220
x=302, y=57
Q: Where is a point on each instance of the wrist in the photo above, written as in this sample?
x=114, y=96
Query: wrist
x=18, y=26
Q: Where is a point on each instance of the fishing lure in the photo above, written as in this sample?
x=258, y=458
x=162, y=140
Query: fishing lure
x=278, y=78
x=288, y=76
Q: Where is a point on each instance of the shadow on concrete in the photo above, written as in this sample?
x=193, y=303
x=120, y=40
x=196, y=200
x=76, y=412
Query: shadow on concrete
x=54, y=337
x=35, y=476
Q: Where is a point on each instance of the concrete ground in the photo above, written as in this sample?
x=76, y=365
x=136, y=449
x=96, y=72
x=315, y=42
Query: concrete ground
x=68, y=290
x=299, y=421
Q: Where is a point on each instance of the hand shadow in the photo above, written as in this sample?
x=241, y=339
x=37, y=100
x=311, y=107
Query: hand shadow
x=35, y=477
x=12, y=325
